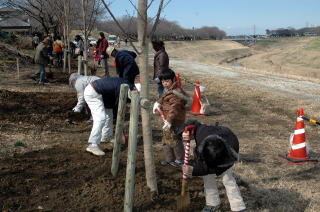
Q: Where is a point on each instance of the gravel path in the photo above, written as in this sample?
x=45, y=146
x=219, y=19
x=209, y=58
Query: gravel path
x=290, y=87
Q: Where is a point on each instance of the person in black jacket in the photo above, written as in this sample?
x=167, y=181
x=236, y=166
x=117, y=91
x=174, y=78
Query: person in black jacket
x=126, y=65
x=102, y=97
x=217, y=149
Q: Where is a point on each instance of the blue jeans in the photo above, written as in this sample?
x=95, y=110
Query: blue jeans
x=42, y=72
x=160, y=89
x=105, y=66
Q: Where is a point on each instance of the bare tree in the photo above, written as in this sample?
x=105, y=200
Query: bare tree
x=39, y=10
x=90, y=12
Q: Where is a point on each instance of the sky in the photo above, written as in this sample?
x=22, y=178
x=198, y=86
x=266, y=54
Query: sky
x=233, y=16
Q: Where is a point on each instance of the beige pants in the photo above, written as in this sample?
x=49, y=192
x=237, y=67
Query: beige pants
x=233, y=192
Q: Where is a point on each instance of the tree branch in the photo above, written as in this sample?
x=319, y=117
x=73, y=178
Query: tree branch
x=154, y=27
x=150, y=4
x=119, y=25
x=134, y=6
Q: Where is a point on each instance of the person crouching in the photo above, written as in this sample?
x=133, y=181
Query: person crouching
x=216, y=151
x=102, y=97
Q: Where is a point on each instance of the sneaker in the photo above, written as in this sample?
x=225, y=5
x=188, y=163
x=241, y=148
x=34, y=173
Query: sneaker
x=179, y=162
x=164, y=163
x=209, y=208
x=95, y=150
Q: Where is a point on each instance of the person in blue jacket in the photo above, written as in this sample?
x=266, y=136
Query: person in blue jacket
x=102, y=97
x=126, y=65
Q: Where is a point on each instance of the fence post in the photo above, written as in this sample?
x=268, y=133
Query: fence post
x=132, y=147
x=18, y=68
x=119, y=128
x=79, y=64
x=65, y=53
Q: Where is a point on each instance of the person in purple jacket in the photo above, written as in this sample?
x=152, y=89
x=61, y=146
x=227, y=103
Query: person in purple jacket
x=216, y=151
x=102, y=97
x=102, y=46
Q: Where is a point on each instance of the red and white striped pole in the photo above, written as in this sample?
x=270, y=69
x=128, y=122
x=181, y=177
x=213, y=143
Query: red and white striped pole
x=187, y=129
x=186, y=157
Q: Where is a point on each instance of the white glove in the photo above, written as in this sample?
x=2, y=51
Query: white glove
x=157, y=80
x=166, y=125
x=76, y=110
x=186, y=136
x=156, y=106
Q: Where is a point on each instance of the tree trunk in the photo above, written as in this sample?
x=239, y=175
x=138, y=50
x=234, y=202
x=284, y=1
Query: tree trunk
x=85, y=43
x=145, y=113
x=65, y=47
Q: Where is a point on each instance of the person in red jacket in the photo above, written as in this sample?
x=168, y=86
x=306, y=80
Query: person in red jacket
x=102, y=53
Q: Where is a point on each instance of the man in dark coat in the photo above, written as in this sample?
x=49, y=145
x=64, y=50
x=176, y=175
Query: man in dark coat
x=41, y=58
x=217, y=149
x=160, y=62
x=126, y=65
x=102, y=97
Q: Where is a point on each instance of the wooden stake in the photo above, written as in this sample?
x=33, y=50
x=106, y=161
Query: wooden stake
x=79, y=64
x=119, y=128
x=18, y=68
x=131, y=162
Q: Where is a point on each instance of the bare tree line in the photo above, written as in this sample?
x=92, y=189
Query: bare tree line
x=166, y=30
x=49, y=16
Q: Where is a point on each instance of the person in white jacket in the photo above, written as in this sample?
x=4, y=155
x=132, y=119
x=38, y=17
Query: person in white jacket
x=79, y=83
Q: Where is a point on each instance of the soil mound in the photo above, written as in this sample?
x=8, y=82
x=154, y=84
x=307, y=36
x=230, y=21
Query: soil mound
x=69, y=179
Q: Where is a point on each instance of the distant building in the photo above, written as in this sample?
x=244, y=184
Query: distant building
x=14, y=20
x=309, y=34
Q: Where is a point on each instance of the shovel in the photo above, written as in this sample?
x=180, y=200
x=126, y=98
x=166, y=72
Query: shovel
x=183, y=201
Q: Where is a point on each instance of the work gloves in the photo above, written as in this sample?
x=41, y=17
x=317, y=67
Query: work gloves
x=156, y=106
x=166, y=125
x=76, y=110
x=186, y=136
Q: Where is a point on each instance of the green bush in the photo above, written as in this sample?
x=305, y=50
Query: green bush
x=19, y=144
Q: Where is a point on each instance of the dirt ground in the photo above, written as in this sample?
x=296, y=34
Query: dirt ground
x=44, y=166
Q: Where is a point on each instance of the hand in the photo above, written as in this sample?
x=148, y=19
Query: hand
x=166, y=125
x=76, y=110
x=156, y=106
x=101, y=56
x=186, y=136
x=187, y=170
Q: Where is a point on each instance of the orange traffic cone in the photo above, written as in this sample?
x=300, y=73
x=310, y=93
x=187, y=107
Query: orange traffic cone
x=298, y=153
x=196, y=104
x=178, y=80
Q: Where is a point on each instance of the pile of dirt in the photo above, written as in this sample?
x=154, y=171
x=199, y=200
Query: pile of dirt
x=9, y=55
x=36, y=108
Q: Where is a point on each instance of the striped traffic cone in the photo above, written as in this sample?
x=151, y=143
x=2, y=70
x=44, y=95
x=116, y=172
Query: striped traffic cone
x=196, y=104
x=298, y=153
